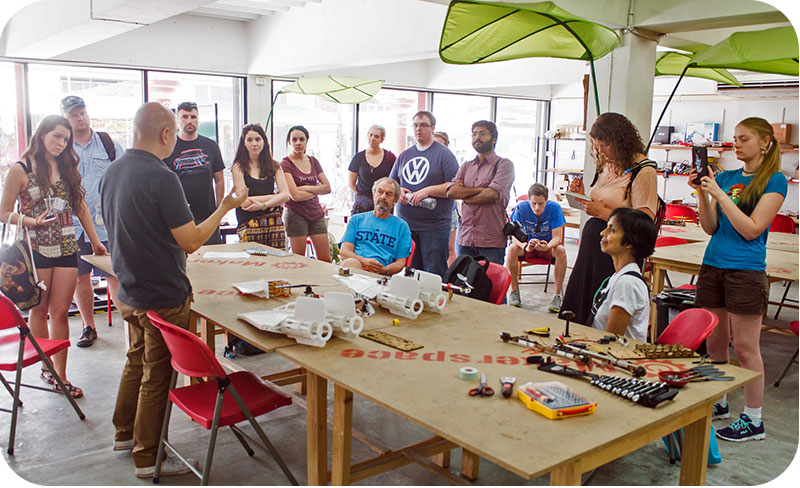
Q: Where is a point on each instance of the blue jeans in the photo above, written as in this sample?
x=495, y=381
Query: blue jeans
x=431, y=252
x=494, y=254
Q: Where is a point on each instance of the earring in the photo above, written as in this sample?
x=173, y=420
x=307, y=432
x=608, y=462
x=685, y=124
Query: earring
x=763, y=150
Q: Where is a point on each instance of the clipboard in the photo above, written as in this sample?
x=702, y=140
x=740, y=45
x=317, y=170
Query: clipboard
x=575, y=199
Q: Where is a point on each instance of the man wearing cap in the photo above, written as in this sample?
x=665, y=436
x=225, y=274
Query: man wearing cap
x=95, y=152
x=198, y=162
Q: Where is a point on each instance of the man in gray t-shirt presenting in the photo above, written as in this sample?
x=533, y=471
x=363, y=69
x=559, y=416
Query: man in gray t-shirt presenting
x=425, y=170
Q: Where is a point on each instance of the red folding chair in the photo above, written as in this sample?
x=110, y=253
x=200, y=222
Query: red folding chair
x=501, y=279
x=690, y=328
x=666, y=241
x=230, y=399
x=538, y=262
x=21, y=350
x=411, y=256
x=782, y=223
x=793, y=359
x=676, y=212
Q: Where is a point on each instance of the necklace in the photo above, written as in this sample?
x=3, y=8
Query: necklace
x=747, y=173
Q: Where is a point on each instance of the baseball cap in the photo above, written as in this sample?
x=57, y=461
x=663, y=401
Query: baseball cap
x=70, y=102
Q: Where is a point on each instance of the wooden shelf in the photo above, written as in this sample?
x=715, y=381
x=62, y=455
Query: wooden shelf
x=679, y=147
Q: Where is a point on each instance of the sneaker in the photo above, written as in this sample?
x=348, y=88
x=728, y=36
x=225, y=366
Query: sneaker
x=742, y=430
x=123, y=445
x=555, y=304
x=88, y=336
x=513, y=299
x=721, y=412
x=170, y=466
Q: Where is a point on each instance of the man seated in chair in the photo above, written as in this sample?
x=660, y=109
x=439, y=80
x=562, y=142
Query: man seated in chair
x=377, y=241
x=542, y=220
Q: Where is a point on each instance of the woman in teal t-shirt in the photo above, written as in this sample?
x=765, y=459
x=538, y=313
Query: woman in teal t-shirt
x=732, y=282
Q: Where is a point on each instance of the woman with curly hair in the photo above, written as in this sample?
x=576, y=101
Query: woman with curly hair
x=620, y=155
x=49, y=169
x=260, y=217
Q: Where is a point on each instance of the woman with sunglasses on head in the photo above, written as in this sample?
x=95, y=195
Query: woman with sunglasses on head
x=367, y=167
x=736, y=209
x=49, y=169
x=260, y=217
x=303, y=216
x=624, y=177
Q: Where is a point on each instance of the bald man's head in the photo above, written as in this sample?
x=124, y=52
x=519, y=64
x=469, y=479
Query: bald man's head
x=154, y=129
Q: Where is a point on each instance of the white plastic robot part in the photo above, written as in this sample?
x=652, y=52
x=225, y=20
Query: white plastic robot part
x=312, y=330
x=434, y=302
x=405, y=307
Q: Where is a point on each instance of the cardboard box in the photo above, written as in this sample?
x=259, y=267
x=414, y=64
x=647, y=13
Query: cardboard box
x=663, y=134
x=783, y=133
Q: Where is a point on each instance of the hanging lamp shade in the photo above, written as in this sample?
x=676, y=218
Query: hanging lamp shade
x=672, y=63
x=337, y=89
x=483, y=32
x=766, y=51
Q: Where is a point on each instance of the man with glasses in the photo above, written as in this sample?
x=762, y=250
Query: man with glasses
x=424, y=170
x=542, y=220
x=484, y=185
x=95, y=152
x=198, y=162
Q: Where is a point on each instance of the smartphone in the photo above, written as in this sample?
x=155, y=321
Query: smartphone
x=700, y=162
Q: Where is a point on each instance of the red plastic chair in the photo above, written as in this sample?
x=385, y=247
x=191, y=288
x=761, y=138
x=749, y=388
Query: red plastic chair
x=21, y=350
x=793, y=328
x=690, y=328
x=782, y=223
x=522, y=198
x=501, y=280
x=538, y=262
x=411, y=256
x=230, y=399
x=675, y=212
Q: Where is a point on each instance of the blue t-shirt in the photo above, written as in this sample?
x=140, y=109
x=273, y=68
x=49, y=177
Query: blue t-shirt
x=727, y=249
x=542, y=227
x=386, y=240
x=416, y=170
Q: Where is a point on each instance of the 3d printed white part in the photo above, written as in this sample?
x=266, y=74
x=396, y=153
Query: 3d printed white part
x=340, y=311
x=430, y=291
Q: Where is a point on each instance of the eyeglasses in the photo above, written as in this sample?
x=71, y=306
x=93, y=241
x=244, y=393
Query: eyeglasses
x=70, y=102
x=423, y=125
x=187, y=106
x=538, y=227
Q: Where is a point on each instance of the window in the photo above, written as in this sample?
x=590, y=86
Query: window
x=331, y=127
x=219, y=100
x=455, y=115
x=10, y=145
x=112, y=95
x=392, y=110
x=519, y=126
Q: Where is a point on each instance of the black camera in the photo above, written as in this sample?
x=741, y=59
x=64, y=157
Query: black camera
x=514, y=228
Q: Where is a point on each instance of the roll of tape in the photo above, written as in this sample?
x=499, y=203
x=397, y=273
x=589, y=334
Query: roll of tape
x=468, y=373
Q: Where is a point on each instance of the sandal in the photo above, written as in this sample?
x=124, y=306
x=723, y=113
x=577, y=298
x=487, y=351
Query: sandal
x=47, y=376
x=73, y=390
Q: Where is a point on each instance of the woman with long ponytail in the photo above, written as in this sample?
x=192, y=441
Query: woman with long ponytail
x=736, y=209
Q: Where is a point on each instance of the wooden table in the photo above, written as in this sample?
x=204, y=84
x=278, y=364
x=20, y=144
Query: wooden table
x=687, y=258
x=779, y=241
x=423, y=386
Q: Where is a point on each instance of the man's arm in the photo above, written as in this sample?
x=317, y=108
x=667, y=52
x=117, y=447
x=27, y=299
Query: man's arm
x=347, y=251
x=219, y=187
x=430, y=191
x=190, y=237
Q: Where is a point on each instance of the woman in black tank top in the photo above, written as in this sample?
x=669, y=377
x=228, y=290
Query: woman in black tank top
x=259, y=217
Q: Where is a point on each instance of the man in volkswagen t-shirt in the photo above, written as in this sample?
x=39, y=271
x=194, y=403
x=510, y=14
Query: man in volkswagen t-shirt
x=198, y=162
x=425, y=170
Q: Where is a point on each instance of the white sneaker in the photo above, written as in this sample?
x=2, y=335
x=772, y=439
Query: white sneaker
x=170, y=466
x=555, y=304
x=513, y=298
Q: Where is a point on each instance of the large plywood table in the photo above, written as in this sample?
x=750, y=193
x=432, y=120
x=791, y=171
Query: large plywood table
x=687, y=258
x=779, y=241
x=424, y=387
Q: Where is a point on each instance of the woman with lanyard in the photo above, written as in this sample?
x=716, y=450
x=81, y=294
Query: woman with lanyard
x=259, y=217
x=367, y=167
x=303, y=216
x=736, y=209
x=624, y=178
x=49, y=171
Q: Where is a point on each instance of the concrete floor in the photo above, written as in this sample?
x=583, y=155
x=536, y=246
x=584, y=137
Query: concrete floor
x=55, y=448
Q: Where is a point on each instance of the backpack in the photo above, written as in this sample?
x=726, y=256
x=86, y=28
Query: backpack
x=602, y=293
x=108, y=145
x=661, y=206
x=475, y=273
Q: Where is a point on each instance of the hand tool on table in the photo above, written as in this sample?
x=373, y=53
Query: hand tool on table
x=541, y=331
x=633, y=369
x=483, y=389
x=508, y=385
x=524, y=341
x=568, y=315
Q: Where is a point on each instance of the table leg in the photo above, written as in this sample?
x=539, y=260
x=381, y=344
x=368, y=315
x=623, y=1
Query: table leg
x=658, y=287
x=469, y=464
x=566, y=476
x=342, y=435
x=694, y=457
x=442, y=459
x=317, y=430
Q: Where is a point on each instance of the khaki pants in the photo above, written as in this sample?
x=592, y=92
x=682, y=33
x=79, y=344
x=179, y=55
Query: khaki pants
x=144, y=386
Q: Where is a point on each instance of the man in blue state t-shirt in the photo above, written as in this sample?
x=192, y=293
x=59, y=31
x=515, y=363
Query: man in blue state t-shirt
x=542, y=220
x=426, y=170
x=377, y=241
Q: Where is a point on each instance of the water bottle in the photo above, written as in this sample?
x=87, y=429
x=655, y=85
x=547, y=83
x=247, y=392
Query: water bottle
x=429, y=203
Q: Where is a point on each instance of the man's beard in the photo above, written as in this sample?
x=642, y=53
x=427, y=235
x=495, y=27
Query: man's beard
x=482, y=147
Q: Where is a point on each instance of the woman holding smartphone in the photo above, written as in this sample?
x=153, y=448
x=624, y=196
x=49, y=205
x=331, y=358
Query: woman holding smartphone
x=49, y=169
x=736, y=210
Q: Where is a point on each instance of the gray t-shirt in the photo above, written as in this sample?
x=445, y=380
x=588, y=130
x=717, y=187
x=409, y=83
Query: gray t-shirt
x=416, y=170
x=142, y=199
